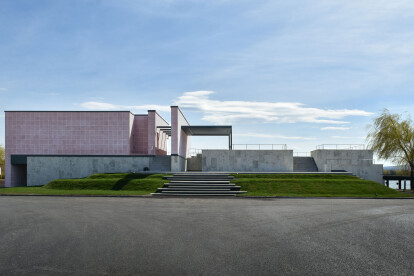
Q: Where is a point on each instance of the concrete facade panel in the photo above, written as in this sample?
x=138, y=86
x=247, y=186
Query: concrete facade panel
x=359, y=162
x=178, y=163
x=194, y=163
x=43, y=169
x=247, y=160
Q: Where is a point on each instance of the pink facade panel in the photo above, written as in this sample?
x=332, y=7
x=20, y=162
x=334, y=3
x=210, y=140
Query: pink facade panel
x=66, y=133
x=157, y=140
x=152, y=132
x=140, y=135
x=80, y=133
x=161, y=138
x=179, y=140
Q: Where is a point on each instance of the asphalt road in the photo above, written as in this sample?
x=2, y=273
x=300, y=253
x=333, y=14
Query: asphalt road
x=205, y=236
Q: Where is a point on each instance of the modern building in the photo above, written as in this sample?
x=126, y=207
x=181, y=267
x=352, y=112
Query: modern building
x=46, y=145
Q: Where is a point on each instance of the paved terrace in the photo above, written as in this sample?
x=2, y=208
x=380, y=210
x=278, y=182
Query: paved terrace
x=209, y=236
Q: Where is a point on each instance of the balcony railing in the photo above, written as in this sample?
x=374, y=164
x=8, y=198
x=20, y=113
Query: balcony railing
x=342, y=146
x=259, y=147
x=301, y=154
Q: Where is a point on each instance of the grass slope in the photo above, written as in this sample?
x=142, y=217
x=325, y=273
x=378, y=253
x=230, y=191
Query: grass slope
x=97, y=184
x=297, y=185
x=323, y=185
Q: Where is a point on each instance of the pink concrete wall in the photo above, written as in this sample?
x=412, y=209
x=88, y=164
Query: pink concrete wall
x=140, y=135
x=180, y=142
x=152, y=130
x=66, y=133
x=161, y=138
x=157, y=141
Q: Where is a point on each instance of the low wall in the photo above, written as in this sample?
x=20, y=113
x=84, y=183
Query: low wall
x=358, y=162
x=178, y=163
x=248, y=160
x=194, y=163
x=43, y=169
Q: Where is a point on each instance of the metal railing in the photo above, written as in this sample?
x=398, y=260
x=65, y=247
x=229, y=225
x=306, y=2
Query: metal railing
x=342, y=146
x=194, y=151
x=302, y=154
x=259, y=147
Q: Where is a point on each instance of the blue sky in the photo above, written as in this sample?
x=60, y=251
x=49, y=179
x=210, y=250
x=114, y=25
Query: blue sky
x=301, y=73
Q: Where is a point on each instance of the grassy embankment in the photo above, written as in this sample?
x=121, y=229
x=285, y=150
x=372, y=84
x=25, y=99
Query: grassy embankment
x=97, y=184
x=289, y=185
x=312, y=185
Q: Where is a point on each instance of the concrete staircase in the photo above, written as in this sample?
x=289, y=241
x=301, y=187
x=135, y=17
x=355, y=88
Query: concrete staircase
x=304, y=164
x=199, y=184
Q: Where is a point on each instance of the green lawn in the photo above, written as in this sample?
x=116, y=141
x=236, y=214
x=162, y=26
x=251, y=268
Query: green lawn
x=289, y=185
x=315, y=185
x=97, y=184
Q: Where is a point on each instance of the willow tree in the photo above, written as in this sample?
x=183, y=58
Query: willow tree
x=392, y=137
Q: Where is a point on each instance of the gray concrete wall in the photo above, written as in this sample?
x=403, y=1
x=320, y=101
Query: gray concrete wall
x=43, y=169
x=359, y=162
x=194, y=163
x=178, y=163
x=248, y=160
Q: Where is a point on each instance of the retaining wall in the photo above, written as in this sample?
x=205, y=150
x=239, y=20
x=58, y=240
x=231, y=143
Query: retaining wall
x=248, y=160
x=43, y=169
x=359, y=162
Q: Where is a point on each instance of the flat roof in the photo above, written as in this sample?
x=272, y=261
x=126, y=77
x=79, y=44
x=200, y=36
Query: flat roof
x=207, y=130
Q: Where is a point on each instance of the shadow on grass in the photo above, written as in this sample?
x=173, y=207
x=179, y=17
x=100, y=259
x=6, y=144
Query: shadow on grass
x=120, y=184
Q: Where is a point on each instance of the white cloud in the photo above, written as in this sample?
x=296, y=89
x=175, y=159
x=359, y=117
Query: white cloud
x=228, y=112
x=262, y=135
x=335, y=128
x=109, y=106
x=224, y=112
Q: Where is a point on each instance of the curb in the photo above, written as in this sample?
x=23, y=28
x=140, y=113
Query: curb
x=222, y=197
x=144, y=196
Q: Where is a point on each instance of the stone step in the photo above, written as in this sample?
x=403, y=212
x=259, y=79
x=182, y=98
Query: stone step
x=201, y=188
x=192, y=195
x=194, y=189
x=200, y=182
x=204, y=176
x=304, y=164
x=199, y=185
x=204, y=192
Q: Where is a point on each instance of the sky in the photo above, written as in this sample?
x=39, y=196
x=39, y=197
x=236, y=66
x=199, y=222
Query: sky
x=301, y=73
